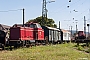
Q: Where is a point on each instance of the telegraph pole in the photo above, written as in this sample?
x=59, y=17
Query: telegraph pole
x=71, y=31
x=44, y=11
x=23, y=16
x=76, y=25
x=88, y=29
x=84, y=25
x=59, y=25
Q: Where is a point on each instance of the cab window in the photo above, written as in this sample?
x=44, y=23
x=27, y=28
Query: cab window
x=33, y=26
x=38, y=26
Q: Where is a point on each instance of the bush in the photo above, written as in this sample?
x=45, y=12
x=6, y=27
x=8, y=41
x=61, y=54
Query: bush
x=80, y=48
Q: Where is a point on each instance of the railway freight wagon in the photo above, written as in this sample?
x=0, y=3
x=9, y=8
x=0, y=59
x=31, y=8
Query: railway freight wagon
x=65, y=35
x=52, y=35
x=30, y=33
x=2, y=39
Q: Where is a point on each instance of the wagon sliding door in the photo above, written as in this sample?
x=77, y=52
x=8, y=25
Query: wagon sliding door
x=55, y=36
x=59, y=36
x=50, y=36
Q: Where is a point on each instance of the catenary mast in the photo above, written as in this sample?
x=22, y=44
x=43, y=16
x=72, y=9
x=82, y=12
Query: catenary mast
x=44, y=11
x=84, y=25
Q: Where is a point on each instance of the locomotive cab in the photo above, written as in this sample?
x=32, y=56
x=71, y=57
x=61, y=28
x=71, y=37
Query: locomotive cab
x=38, y=31
x=34, y=25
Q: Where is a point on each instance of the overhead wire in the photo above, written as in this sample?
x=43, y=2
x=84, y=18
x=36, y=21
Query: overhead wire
x=11, y=10
x=76, y=11
x=85, y=15
x=80, y=5
x=59, y=7
x=77, y=6
x=57, y=10
x=82, y=12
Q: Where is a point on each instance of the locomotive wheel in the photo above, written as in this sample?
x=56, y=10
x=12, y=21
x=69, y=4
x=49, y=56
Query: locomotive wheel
x=27, y=46
x=44, y=42
x=15, y=47
x=27, y=43
x=23, y=44
x=36, y=43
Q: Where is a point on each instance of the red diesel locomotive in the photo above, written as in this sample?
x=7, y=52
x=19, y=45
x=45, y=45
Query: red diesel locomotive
x=30, y=33
x=80, y=35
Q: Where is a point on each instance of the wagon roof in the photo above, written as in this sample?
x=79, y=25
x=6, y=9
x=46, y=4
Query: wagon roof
x=52, y=28
x=5, y=26
x=64, y=30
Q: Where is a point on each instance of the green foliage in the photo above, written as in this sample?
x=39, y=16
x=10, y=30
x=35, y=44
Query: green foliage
x=80, y=48
x=45, y=22
x=83, y=47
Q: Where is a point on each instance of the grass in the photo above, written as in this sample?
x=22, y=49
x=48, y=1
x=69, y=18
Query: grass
x=83, y=47
x=52, y=52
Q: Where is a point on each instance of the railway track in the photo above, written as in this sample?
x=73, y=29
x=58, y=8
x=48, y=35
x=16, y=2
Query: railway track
x=82, y=41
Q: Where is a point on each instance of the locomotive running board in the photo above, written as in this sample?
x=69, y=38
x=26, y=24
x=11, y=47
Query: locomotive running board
x=14, y=40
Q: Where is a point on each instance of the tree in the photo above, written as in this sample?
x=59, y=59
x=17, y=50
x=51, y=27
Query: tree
x=46, y=22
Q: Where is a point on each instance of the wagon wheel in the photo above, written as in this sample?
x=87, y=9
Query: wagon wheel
x=3, y=46
x=46, y=38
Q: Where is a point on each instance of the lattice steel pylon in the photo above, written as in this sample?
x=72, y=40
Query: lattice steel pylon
x=44, y=12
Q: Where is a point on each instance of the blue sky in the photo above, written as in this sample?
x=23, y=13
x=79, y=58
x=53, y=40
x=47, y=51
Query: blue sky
x=56, y=10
